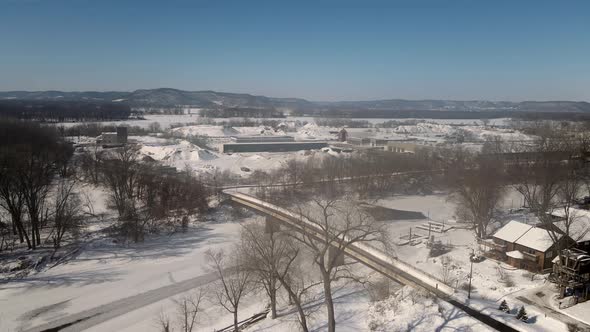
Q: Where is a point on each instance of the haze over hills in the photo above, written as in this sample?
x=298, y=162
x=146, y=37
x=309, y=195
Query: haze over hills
x=167, y=97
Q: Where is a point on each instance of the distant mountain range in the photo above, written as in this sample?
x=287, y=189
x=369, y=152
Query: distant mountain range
x=166, y=97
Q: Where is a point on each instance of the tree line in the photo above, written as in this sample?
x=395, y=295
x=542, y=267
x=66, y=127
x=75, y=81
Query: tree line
x=142, y=192
x=41, y=177
x=62, y=111
x=241, y=112
x=32, y=157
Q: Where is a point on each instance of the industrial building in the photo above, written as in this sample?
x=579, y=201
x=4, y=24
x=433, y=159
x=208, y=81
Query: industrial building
x=261, y=139
x=111, y=139
x=359, y=141
x=272, y=146
x=402, y=147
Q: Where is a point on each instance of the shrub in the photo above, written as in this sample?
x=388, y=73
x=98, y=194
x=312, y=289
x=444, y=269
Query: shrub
x=522, y=315
x=504, y=306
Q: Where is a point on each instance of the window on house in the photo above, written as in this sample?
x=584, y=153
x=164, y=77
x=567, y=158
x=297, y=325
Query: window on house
x=549, y=254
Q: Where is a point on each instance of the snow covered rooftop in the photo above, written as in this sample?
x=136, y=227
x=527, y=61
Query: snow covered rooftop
x=512, y=231
x=515, y=254
x=579, y=228
x=525, y=235
x=536, y=238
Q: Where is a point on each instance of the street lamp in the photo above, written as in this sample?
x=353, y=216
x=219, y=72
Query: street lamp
x=470, y=272
x=470, y=275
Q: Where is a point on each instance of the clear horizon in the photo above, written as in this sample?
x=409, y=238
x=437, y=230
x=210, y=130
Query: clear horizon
x=318, y=51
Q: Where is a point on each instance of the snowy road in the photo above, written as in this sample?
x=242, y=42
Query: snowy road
x=88, y=318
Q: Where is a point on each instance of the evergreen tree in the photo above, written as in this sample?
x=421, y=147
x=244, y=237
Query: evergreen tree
x=522, y=315
x=504, y=306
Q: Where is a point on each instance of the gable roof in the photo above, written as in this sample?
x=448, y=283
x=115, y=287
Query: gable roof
x=579, y=226
x=537, y=238
x=512, y=231
x=525, y=235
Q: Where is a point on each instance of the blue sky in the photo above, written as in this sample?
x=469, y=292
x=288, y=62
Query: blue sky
x=319, y=50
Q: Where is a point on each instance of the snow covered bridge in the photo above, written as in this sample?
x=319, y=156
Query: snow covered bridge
x=365, y=254
x=373, y=258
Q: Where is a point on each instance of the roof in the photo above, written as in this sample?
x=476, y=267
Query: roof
x=536, y=238
x=512, y=231
x=525, y=235
x=579, y=228
x=515, y=254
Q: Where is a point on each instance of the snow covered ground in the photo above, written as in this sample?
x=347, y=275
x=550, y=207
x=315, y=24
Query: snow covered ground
x=492, y=281
x=106, y=271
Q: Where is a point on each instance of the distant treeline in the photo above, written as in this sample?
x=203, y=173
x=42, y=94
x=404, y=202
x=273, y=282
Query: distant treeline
x=242, y=112
x=61, y=111
x=95, y=129
x=431, y=114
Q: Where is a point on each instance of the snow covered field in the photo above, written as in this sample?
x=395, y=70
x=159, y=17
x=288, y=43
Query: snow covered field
x=105, y=272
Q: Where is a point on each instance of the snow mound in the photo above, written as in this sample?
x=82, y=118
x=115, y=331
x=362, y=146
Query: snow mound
x=259, y=131
x=313, y=131
x=181, y=152
x=424, y=128
x=203, y=130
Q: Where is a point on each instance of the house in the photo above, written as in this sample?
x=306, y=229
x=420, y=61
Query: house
x=571, y=271
x=526, y=246
x=579, y=226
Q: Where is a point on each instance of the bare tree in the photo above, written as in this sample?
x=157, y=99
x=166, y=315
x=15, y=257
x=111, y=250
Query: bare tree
x=337, y=225
x=295, y=277
x=66, y=211
x=265, y=253
x=34, y=181
x=163, y=322
x=234, y=280
x=30, y=157
x=188, y=308
x=478, y=188
x=12, y=200
x=120, y=172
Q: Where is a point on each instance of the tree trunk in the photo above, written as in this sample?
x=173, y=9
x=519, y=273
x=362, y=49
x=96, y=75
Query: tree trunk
x=23, y=233
x=295, y=299
x=273, y=298
x=329, y=300
x=236, y=319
